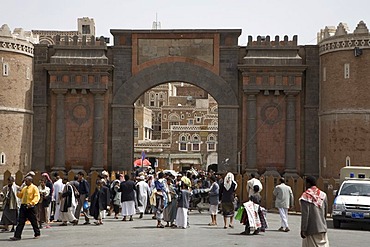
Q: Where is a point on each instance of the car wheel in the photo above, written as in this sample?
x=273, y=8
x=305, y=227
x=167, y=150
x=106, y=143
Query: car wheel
x=336, y=224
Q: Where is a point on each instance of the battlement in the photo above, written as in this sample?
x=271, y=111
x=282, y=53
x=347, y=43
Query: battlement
x=18, y=34
x=266, y=42
x=18, y=41
x=332, y=39
x=77, y=40
x=331, y=32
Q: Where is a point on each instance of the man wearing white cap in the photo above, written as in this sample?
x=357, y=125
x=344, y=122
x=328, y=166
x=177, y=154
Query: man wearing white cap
x=143, y=191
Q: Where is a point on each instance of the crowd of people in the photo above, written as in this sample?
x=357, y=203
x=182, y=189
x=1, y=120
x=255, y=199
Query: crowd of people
x=166, y=195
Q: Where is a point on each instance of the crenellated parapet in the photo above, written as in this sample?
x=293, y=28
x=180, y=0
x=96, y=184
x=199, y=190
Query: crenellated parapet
x=18, y=41
x=266, y=41
x=331, y=39
x=76, y=40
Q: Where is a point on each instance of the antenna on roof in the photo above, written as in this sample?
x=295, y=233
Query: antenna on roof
x=156, y=24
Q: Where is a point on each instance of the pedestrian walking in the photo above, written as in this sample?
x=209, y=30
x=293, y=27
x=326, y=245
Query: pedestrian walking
x=214, y=191
x=11, y=205
x=29, y=196
x=227, y=194
x=170, y=211
x=68, y=203
x=183, y=203
x=43, y=209
x=116, y=197
x=142, y=190
x=284, y=201
x=57, y=191
x=99, y=201
x=314, y=208
x=84, y=192
x=127, y=189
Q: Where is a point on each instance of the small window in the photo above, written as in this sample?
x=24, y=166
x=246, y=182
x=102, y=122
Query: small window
x=348, y=161
x=198, y=119
x=346, y=71
x=196, y=146
x=183, y=138
x=86, y=29
x=324, y=74
x=182, y=146
x=211, y=146
x=152, y=103
x=136, y=132
x=2, y=159
x=182, y=116
x=164, y=116
x=25, y=160
x=28, y=73
x=5, y=69
x=190, y=121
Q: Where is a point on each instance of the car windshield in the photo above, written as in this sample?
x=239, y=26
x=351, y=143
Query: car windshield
x=355, y=189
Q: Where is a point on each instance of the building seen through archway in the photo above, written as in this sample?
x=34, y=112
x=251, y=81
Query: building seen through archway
x=175, y=127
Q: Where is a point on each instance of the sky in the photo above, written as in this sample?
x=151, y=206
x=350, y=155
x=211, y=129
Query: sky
x=261, y=17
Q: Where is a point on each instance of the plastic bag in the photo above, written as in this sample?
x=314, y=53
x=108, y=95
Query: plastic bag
x=86, y=205
x=239, y=213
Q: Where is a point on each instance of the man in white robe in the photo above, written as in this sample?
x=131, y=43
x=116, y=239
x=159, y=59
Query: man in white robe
x=58, y=188
x=143, y=191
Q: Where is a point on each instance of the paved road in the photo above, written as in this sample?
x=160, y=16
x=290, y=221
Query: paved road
x=143, y=233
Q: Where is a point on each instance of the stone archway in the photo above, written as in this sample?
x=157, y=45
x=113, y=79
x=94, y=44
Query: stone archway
x=123, y=109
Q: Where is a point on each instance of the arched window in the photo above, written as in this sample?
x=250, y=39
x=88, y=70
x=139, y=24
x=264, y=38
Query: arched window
x=183, y=142
x=196, y=142
x=211, y=142
x=348, y=161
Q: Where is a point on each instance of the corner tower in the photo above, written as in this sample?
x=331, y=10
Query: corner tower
x=16, y=93
x=344, y=98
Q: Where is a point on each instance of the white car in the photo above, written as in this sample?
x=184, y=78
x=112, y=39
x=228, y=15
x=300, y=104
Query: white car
x=352, y=203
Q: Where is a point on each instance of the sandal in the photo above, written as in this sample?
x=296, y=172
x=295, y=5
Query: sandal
x=211, y=224
x=160, y=226
x=231, y=226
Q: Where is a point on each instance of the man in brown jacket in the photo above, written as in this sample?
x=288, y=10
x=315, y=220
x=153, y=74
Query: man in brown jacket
x=314, y=208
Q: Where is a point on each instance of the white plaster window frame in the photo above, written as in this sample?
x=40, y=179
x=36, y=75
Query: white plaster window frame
x=346, y=71
x=180, y=146
x=324, y=74
x=2, y=158
x=195, y=145
x=28, y=73
x=211, y=149
x=5, y=69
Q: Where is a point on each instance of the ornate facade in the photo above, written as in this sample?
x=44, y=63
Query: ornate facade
x=282, y=108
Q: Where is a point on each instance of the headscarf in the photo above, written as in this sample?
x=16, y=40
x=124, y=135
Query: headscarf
x=229, y=180
x=46, y=175
x=186, y=181
x=314, y=195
